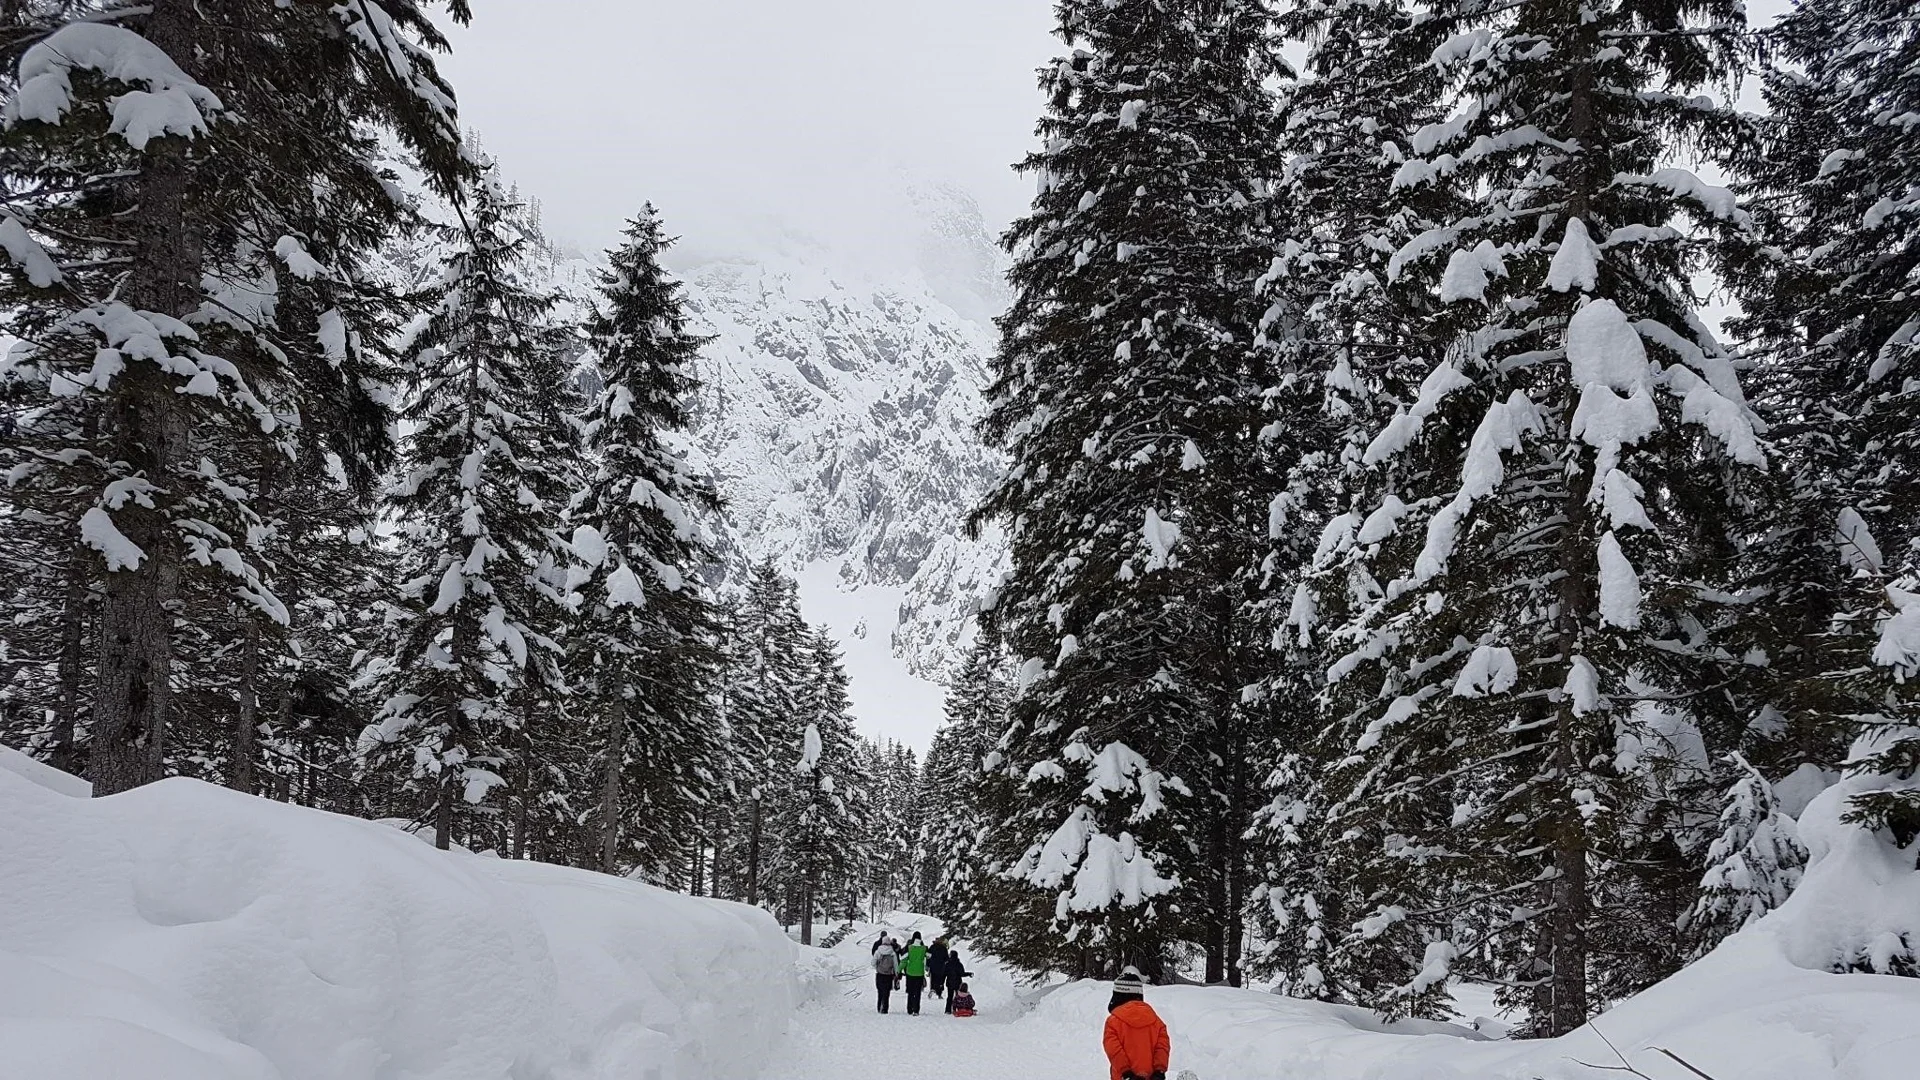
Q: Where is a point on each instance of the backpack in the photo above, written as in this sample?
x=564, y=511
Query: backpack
x=886, y=961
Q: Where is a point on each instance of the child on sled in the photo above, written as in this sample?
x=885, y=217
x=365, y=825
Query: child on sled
x=963, y=1002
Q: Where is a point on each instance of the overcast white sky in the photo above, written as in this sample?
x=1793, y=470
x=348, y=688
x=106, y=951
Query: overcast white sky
x=727, y=111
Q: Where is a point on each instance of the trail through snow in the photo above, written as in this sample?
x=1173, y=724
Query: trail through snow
x=848, y=1040
x=840, y=1035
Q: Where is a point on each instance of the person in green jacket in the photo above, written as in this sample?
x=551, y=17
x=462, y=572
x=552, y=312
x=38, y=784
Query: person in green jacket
x=913, y=964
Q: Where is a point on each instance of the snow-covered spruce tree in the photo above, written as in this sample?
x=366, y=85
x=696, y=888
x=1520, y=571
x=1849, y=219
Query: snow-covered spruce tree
x=182, y=266
x=645, y=646
x=1752, y=865
x=892, y=837
x=824, y=799
x=766, y=640
x=1351, y=346
x=485, y=475
x=1547, y=524
x=1831, y=288
x=1127, y=391
x=957, y=798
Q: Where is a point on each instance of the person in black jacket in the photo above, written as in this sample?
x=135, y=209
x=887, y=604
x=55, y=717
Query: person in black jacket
x=957, y=973
x=937, y=965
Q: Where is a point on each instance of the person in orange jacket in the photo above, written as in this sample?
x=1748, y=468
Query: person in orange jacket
x=1136, y=1040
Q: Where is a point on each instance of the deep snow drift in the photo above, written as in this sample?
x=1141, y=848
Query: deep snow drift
x=186, y=932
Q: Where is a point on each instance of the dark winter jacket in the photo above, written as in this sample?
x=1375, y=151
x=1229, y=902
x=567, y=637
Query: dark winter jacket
x=937, y=961
x=952, y=971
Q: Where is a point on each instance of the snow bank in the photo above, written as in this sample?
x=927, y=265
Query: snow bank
x=1737, y=1017
x=187, y=932
x=1763, y=1006
x=44, y=775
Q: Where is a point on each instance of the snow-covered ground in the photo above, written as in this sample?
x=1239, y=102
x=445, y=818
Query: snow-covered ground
x=187, y=932
x=1745, y=1013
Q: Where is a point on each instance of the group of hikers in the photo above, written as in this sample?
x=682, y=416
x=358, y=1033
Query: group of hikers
x=1135, y=1038
x=920, y=967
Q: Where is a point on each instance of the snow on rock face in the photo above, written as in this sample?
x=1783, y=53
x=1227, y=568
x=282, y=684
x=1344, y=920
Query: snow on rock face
x=839, y=415
x=187, y=932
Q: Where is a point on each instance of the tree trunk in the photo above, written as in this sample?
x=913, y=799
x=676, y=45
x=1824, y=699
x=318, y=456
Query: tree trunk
x=246, y=723
x=753, y=856
x=443, y=808
x=65, y=751
x=806, y=907
x=149, y=434
x=610, y=788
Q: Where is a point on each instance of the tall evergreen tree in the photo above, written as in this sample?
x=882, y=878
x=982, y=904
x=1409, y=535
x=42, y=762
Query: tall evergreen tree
x=1503, y=608
x=486, y=471
x=645, y=645
x=184, y=265
x=766, y=637
x=960, y=797
x=822, y=860
x=1353, y=345
x=1127, y=391
x=1831, y=289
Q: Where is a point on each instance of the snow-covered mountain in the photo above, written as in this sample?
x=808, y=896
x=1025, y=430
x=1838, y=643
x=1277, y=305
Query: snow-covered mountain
x=838, y=403
x=839, y=396
x=838, y=412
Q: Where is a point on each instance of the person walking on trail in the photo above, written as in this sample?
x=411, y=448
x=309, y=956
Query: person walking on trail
x=953, y=974
x=886, y=968
x=1136, y=1041
x=913, y=964
x=937, y=965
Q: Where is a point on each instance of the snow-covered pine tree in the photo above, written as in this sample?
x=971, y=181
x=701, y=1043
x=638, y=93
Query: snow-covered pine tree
x=645, y=645
x=1831, y=291
x=892, y=837
x=1351, y=347
x=825, y=798
x=183, y=264
x=1543, y=522
x=959, y=794
x=766, y=641
x=898, y=846
x=1752, y=866
x=1127, y=390
x=485, y=475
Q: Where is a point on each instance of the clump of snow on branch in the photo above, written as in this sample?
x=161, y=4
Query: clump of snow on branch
x=171, y=103
x=1576, y=265
x=1489, y=670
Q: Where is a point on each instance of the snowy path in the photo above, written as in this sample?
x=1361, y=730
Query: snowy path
x=840, y=1036
x=848, y=1040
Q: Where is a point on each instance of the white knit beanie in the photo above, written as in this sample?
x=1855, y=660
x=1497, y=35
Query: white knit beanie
x=1130, y=982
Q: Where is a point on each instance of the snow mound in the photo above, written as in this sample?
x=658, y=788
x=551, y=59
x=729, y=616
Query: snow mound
x=187, y=932
x=46, y=776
